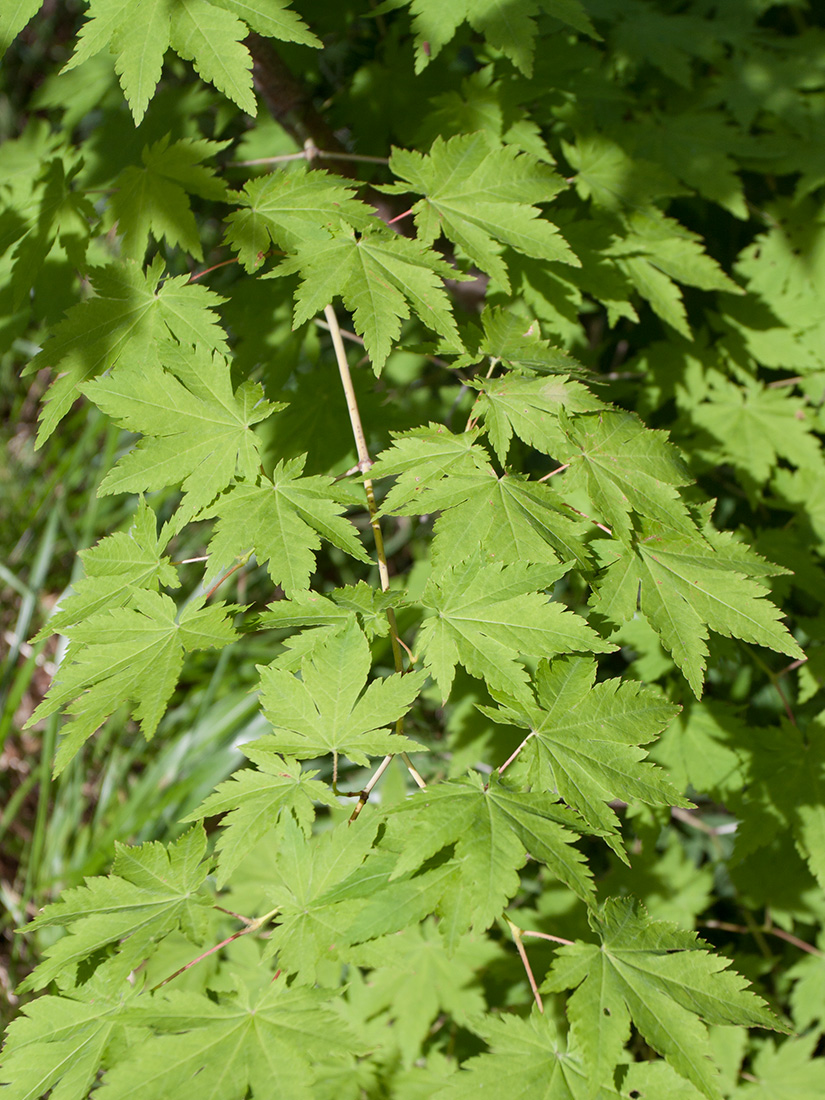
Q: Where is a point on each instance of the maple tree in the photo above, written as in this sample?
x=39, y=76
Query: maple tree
x=461, y=365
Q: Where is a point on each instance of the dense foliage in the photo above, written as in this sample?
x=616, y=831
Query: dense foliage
x=453, y=371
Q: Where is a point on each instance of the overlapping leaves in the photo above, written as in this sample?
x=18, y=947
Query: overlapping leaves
x=661, y=978
x=129, y=655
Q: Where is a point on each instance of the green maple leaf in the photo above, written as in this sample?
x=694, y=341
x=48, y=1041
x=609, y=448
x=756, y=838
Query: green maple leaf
x=50, y=212
x=756, y=426
x=492, y=829
x=139, y=32
x=256, y=1038
x=808, y=993
x=124, y=324
x=584, y=741
x=507, y=338
x=531, y=408
x=791, y=1070
x=660, y=977
x=253, y=801
x=786, y=781
x=379, y=277
x=118, y=564
x=684, y=587
x=626, y=468
x=612, y=179
x=316, y=911
x=128, y=655
x=479, y=195
x=534, y=1060
x=697, y=147
x=154, y=200
x=336, y=609
x=60, y=1042
x=292, y=208
x=13, y=18
x=506, y=27
x=512, y=518
x=153, y=890
x=656, y=252
x=413, y=978
x=281, y=521
x=197, y=430
x=424, y=456
x=488, y=617
x=327, y=710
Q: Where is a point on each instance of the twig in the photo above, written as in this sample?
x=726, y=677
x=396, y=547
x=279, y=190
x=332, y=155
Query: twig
x=697, y=823
x=785, y=382
x=309, y=152
x=516, y=933
x=774, y=679
x=547, y=936
x=792, y=666
x=226, y=576
x=584, y=515
x=512, y=757
x=726, y=926
x=365, y=463
x=224, y=263
x=356, y=339
x=252, y=926
x=558, y=470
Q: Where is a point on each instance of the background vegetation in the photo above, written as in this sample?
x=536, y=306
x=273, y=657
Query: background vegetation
x=676, y=147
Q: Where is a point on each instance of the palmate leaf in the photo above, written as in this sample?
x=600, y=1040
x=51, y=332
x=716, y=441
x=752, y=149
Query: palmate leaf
x=492, y=829
x=13, y=18
x=336, y=609
x=413, y=977
x=154, y=199
x=509, y=339
x=626, y=468
x=684, y=587
x=197, y=430
x=60, y=1042
x=509, y=28
x=488, y=616
x=118, y=564
x=128, y=655
x=786, y=782
x=256, y=1038
x=791, y=1070
x=512, y=518
x=380, y=277
x=316, y=914
x=152, y=891
x=253, y=801
x=756, y=426
x=423, y=457
x=291, y=208
x=479, y=195
x=280, y=521
x=531, y=408
x=139, y=32
x=124, y=324
x=51, y=211
x=585, y=737
x=659, y=977
x=328, y=711
x=534, y=1060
